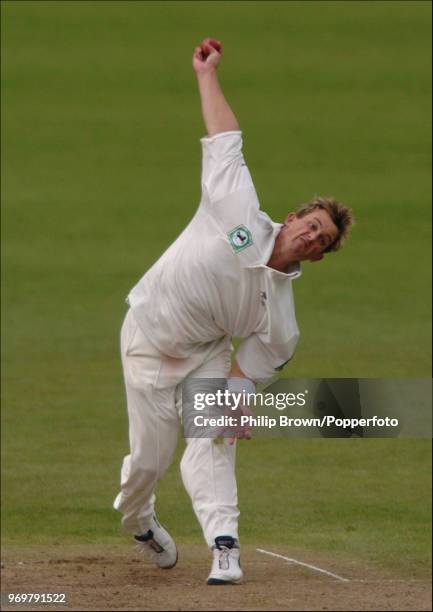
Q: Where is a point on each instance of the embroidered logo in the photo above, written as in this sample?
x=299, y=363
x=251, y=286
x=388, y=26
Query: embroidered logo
x=240, y=238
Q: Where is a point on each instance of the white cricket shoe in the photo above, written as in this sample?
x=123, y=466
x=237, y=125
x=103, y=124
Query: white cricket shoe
x=226, y=567
x=158, y=545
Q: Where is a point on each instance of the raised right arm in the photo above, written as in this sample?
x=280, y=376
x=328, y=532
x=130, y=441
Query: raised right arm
x=217, y=115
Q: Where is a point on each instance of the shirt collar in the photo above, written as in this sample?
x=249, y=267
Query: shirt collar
x=294, y=270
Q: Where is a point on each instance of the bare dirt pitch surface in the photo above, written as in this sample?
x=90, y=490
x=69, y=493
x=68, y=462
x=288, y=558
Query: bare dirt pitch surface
x=105, y=578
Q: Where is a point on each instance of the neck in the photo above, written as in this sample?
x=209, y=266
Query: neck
x=279, y=261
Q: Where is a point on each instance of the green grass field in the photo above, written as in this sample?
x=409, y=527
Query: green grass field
x=101, y=167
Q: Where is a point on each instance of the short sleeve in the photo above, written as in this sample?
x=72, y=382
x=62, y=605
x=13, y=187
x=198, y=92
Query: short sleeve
x=224, y=169
x=260, y=361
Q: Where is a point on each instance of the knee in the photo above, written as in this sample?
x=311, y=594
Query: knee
x=140, y=476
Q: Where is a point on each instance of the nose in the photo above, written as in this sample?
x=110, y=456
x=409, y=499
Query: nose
x=315, y=235
x=313, y=238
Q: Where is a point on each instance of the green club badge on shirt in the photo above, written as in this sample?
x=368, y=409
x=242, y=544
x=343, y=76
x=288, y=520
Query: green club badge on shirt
x=240, y=238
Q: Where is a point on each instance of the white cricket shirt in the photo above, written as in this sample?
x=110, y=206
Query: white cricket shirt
x=213, y=281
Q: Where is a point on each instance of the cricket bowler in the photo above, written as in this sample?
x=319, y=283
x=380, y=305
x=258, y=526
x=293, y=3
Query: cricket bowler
x=229, y=273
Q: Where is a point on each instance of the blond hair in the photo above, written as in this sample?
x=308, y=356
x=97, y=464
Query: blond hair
x=340, y=214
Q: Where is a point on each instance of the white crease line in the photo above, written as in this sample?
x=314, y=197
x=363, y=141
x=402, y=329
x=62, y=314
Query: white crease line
x=313, y=567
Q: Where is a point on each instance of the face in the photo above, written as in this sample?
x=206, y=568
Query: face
x=306, y=238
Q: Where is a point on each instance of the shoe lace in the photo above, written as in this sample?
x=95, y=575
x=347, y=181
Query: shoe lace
x=223, y=557
x=150, y=549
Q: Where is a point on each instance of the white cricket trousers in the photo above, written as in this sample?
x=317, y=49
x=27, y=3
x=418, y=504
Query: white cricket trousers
x=153, y=395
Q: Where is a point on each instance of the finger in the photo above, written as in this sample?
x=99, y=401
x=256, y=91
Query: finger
x=203, y=53
x=198, y=54
x=214, y=43
x=206, y=48
x=245, y=433
x=209, y=49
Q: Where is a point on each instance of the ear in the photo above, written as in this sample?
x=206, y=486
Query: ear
x=318, y=257
x=290, y=217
